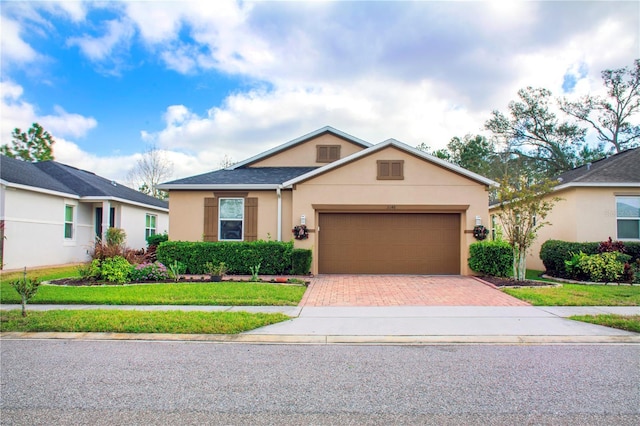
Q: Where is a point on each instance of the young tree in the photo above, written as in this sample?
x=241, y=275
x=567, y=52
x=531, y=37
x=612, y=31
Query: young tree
x=533, y=131
x=151, y=169
x=34, y=145
x=523, y=210
x=610, y=116
x=26, y=288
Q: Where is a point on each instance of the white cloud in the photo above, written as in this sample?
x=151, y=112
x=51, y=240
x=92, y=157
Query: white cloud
x=118, y=33
x=14, y=48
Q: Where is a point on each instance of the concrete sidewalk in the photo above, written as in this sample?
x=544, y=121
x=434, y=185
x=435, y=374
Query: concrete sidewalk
x=390, y=325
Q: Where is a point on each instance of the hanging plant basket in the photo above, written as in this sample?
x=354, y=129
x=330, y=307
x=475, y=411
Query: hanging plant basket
x=300, y=232
x=480, y=232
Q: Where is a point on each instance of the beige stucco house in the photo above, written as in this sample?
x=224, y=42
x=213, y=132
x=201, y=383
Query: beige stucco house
x=369, y=209
x=598, y=200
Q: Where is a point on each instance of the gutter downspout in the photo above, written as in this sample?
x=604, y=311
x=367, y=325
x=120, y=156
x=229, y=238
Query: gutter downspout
x=279, y=225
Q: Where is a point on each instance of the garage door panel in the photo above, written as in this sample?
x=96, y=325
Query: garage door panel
x=399, y=243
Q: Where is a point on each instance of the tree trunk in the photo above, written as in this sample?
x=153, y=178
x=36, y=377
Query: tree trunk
x=24, y=305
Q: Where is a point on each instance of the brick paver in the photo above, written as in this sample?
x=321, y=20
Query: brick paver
x=404, y=290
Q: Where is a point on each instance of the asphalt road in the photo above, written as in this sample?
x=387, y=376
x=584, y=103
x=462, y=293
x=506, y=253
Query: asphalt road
x=130, y=382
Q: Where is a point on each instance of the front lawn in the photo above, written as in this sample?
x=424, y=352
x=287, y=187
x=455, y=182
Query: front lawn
x=223, y=294
x=578, y=295
x=627, y=322
x=136, y=321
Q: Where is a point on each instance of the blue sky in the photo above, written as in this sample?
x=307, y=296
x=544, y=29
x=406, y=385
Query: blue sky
x=205, y=80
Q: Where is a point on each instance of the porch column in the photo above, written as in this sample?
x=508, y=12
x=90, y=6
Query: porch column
x=106, y=212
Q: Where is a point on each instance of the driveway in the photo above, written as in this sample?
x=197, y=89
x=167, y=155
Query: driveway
x=403, y=290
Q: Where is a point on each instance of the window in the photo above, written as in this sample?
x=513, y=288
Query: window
x=231, y=218
x=327, y=153
x=628, y=215
x=68, y=222
x=150, y=226
x=390, y=169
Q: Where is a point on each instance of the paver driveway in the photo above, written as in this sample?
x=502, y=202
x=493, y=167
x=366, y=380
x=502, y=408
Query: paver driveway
x=403, y=290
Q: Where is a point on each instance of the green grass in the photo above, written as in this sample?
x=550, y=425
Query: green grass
x=629, y=323
x=578, y=295
x=228, y=294
x=44, y=274
x=534, y=275
x=177, y=322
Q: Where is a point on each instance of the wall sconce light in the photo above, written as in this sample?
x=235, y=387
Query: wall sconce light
x=303, y=220
x=478, y=221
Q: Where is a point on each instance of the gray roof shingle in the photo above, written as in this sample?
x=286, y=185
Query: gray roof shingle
x=623, y=167
x=245, y=176
x=55, y=176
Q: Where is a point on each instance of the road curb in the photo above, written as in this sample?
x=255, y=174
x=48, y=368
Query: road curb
x=324, y=339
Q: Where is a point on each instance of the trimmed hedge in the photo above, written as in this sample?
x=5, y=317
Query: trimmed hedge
x=491, y=258
x=554, y=253
x=300, y=261
x=274, y=257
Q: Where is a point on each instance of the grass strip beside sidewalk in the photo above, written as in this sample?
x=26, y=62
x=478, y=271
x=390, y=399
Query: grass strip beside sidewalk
x=626, y=322
x=174, y=322
x=217, y=294
x=578, y=295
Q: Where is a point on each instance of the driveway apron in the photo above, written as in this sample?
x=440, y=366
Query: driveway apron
x=404, y=290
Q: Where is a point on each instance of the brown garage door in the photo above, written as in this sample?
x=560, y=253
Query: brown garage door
x=393, y=243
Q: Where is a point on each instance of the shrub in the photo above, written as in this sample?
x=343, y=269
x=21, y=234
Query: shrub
x=300, y=261
x=116, y=237
x=176, y=269
x=611, y=246
x=115, y=269
x=155, y=240
x=603, y=267
x=155, y=271
x=215, y=270
x=273, y=256
x=491, y=258
x=555, y=253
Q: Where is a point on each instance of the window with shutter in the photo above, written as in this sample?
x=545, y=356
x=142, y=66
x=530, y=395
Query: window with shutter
x=390, y=169
x=327, y=153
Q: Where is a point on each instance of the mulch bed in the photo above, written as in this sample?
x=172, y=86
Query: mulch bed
x=510, y=282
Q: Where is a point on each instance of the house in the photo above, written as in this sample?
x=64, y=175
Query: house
x=598, y=200
x=369, y=209
x=51, y=213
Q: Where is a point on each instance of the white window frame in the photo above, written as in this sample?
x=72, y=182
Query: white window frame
x=148, y=230
x=626, y=218
x=221, y=219
x=73, y=222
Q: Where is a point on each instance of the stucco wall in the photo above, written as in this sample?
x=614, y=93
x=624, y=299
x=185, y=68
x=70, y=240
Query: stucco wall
x=186, y=214
x=304, y=154
x=427, y=187
x=584, y=214
x=34, y=230
x=133, y=221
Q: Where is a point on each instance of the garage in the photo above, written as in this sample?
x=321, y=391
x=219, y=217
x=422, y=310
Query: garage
x=389, y=243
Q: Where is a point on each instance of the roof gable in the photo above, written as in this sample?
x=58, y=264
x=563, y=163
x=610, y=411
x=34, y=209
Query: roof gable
x=327, y=130
x=400, y=146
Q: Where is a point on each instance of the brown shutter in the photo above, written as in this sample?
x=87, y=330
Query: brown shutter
x=210, y=219
x=250, y=219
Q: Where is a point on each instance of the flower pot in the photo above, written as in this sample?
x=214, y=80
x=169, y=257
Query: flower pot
x=281, y=279
x=216, y=278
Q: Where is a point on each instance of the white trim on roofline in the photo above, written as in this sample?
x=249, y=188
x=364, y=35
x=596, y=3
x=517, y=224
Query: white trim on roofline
x=297, y=141
x=95, y=199
x=397, y=144
x=76, y=197
x=597, y=185
x=38, y=189
x=212, y=186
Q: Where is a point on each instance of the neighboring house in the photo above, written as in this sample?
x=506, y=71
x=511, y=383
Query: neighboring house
x=598, y=200
x=369, y=209
x=51, y=213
